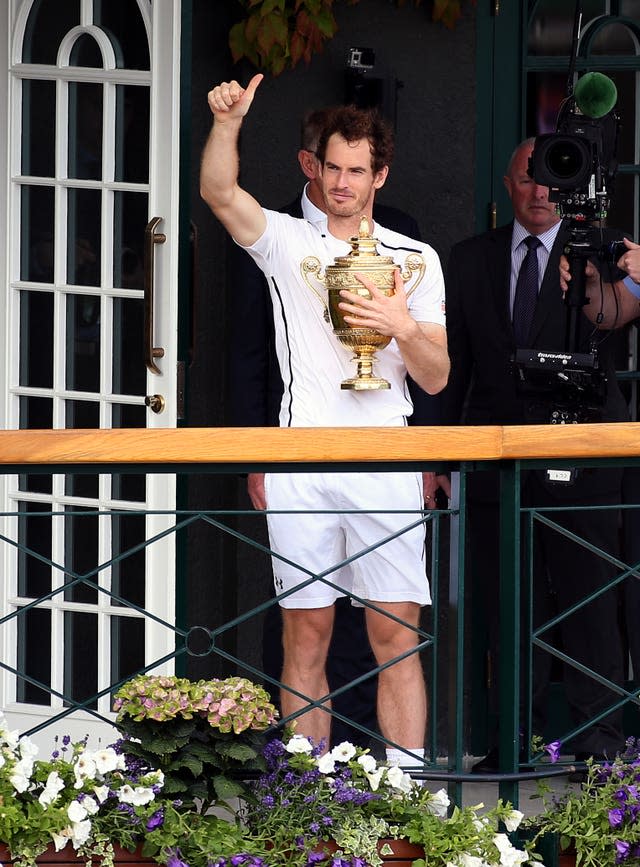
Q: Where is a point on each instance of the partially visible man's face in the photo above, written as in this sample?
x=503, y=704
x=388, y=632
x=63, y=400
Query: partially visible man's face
x=530, y=201
x=348, y=181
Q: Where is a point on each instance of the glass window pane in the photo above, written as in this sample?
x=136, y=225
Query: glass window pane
x=38, y=119
x=125, y=27
x=36, y=340
x=49, y=21
x=127, y=647
x=83, y=343
x=85, y=131
x=80, y=656
x=83, y=250
x=129, y=222
x=34, y=655
x=86, y=52
x=129, y=486
x=551, y=27
x=613, y=39
x=132, y=134
x=129, y=374
x=36, y=413
x=36, y=233
x=34, y=538
x=81, y=485
x=81, y=553
x=127, y=575
x=626, y=85
x=545, y=92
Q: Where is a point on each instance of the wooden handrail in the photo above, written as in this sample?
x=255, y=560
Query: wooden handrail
x=316, y=445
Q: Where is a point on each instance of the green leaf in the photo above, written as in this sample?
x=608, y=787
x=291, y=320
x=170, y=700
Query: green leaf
x=226, y=788
x=240, y=752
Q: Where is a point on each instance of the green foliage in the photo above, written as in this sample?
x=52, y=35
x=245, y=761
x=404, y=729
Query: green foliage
x=200, y=734
x=601, y=819
x=277, y=34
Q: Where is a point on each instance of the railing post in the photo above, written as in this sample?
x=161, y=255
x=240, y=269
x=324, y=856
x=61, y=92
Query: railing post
x=455, y=662
x=509, y=627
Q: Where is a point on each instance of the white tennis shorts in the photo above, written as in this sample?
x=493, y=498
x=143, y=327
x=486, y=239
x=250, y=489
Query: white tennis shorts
x=311, y=541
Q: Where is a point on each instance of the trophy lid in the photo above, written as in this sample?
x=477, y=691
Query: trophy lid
x=364, y=253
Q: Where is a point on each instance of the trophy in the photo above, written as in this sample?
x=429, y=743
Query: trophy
x=363, y=259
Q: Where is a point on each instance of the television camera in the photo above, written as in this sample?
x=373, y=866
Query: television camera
x=578, y=164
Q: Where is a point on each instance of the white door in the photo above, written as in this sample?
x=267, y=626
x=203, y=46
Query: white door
x=89, y=173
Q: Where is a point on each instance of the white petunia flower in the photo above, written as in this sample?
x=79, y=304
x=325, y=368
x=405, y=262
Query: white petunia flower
x=138, y=797
x=438, y=804
x=368, y=763
x=60, y=840
x=299, y=744
x=467, y=860
x=80, y=833
x=509, y=855
x=512, y=821
x=344, y=752
x=28, y=750
x=84, y=769
x=20, y=777
x=107, y=760
x=397, y=779
x=77, y=812
x=326, y=764
x=52, y=789
x=90, y=805
x=374, y=778
x=101, y=793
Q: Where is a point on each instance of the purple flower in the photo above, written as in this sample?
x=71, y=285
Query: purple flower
x=554, y=750
x=622, y=848
x=155, y=821
x=616, y=817
x=175, y=860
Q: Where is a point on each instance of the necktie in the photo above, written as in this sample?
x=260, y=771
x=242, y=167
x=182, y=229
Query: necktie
x=526, y=297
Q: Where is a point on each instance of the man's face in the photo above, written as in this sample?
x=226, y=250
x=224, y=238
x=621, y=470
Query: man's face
x=530, y=201
x=347, y=179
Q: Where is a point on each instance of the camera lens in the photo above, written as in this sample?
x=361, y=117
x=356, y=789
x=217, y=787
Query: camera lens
x=565, y=160
x=562, y=162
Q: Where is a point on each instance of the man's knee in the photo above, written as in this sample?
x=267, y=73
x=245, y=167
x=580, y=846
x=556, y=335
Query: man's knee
x=306, y=634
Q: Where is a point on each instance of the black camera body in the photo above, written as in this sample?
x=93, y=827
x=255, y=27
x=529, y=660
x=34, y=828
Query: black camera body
x=578, y=162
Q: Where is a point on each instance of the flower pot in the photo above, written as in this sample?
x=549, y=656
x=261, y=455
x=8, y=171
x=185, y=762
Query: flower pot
x=396, y=852
x=67, y=857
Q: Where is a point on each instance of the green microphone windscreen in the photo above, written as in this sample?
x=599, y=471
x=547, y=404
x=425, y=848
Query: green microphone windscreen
x=595, y=94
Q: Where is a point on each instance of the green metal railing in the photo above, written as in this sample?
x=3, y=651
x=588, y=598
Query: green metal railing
x=447, y=532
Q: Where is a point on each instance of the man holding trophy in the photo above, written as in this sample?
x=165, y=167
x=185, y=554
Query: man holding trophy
x=320, y=389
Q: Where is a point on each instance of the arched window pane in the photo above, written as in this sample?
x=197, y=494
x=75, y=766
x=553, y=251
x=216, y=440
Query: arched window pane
x=49, y=21
x=551, y=25
x=86, y=52
x=613, y=40
x=122, y=21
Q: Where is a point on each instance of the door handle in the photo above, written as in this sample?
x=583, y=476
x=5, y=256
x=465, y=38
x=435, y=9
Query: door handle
x=151, y=238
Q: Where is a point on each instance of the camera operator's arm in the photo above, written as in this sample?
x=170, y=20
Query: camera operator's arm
x=611, y=305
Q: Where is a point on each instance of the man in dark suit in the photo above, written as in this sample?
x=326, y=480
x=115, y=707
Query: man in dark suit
x=255, y=395
x=485, y=313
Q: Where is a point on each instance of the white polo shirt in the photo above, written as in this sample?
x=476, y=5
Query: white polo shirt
x=312, y=360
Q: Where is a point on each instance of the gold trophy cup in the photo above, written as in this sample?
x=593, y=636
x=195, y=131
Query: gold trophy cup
x=363, y=259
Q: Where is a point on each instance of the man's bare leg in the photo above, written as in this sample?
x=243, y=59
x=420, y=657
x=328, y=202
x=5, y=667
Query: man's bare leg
x=402, y=700
x=305, y=637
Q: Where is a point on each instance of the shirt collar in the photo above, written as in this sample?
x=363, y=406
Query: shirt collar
x=547, y=239
x=310, y=212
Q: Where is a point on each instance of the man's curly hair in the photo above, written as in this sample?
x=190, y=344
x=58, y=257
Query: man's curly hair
x=354, y=124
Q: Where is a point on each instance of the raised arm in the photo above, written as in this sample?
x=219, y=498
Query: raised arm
x=236, y=209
